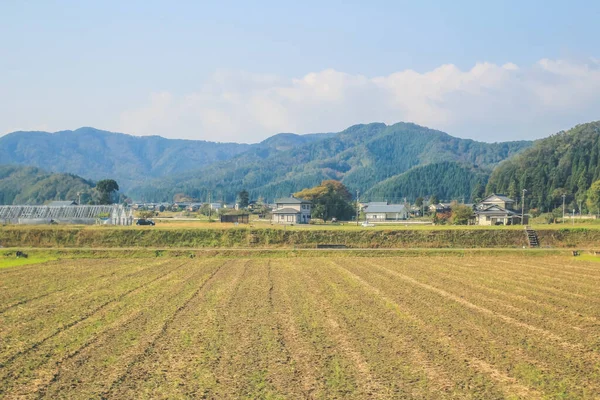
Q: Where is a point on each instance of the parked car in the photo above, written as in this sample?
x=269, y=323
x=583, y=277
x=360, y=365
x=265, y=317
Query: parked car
x=144, y=222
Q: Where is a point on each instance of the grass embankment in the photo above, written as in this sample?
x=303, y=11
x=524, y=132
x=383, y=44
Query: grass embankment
x=246, y=237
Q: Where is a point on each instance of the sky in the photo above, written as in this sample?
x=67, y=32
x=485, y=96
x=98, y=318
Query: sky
x=243, y=71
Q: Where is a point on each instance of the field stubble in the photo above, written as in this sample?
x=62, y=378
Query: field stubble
x=386, y=327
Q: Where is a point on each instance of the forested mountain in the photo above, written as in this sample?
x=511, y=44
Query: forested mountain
x=30, y=185
x=567, y=162
x=97, y=154
x=361, y=156
x=447, y=180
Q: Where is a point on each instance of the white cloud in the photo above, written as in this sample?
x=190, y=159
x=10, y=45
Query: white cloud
x=488, y=102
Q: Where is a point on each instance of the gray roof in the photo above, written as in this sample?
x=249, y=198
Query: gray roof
x=291, y=200
x=286, y=211
x=61, y=203
x=377, y=203
x=495, y=210
x=389, y=208
x=501, y=197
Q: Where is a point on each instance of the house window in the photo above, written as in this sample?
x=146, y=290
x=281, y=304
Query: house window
x=290, y=218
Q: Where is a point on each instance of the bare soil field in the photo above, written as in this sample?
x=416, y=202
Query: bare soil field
x=482, y=327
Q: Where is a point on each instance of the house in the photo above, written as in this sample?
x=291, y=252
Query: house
x=385, y=212
x=497, y=209
x=215, y=206
x=193, y=207
x=290, y=210
x=440, y=207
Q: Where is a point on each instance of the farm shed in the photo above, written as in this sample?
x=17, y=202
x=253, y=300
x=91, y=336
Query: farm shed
x=235, y=218
x=69, y=214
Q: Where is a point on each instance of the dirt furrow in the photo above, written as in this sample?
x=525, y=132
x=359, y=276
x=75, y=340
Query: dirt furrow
x=572, y=326
x=521, y=353
x=33, y=346
x=150, y=347
x=62, y=277
x=455, y=354
x=93, y=369
x=43, y=367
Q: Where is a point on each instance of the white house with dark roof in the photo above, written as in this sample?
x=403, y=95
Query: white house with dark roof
x=291, y=210
x=380, y=211
x=497, y=209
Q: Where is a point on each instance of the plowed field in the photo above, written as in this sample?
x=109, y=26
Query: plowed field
x=399, y=327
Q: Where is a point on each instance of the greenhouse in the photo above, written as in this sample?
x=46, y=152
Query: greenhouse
x=68, y=214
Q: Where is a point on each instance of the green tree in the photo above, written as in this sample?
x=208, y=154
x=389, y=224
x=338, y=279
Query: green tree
x=330, y=199
x=204, y=209
x=461, y=214
x=419, y=201
x=477, y=192
x=243, y=198
x=593, y=197
x=106, y=188
x=433, y=199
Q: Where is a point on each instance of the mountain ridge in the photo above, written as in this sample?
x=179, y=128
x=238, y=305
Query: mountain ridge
x=155, y=168
x=359, y=156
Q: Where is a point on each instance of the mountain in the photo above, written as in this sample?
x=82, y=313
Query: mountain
x=447, y=180
x=97, y=154
x=30, y=185
x=567, y=162
x=130, y=160
x=360, y=156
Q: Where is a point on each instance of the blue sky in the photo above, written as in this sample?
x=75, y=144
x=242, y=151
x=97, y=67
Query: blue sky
x=242, y=71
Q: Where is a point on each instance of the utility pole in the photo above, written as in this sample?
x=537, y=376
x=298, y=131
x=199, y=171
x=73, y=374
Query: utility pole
x=357, y=207
x=564, y=196
x=209, y=207
x=523, y=207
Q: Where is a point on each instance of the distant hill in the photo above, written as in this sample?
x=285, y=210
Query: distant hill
x=30, y=185
x=97, y=154
x=360, y=156
x=567, y=162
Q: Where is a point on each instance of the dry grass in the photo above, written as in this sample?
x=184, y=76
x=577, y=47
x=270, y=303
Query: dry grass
x=391, y=327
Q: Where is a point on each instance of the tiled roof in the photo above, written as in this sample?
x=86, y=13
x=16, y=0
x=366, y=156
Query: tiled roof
x=494, y=209
x=286, y=211
x=499, y=196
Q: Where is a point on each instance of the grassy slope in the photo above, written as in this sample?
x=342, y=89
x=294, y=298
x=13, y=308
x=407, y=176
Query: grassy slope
x=243, y=237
